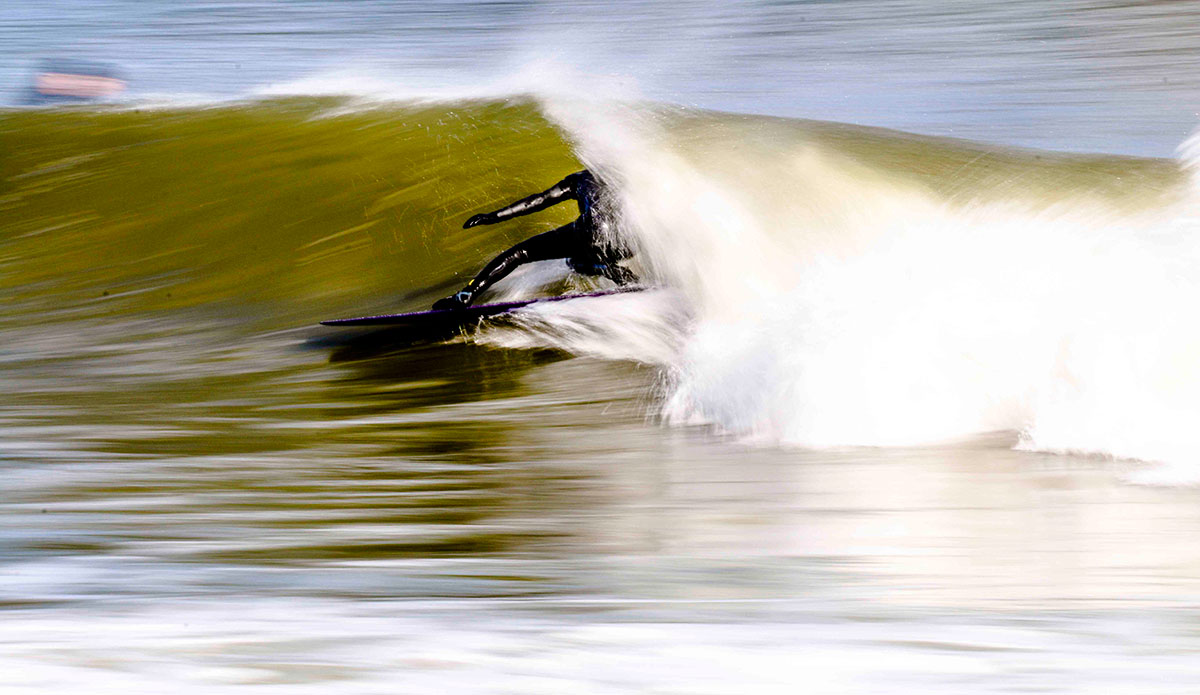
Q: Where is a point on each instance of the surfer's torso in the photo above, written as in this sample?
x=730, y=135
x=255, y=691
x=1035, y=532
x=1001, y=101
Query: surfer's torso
x=586, y=191
x=588, y=244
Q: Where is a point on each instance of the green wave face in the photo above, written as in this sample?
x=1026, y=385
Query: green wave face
x=162, y=275
x=288, y=210
x=281, y=211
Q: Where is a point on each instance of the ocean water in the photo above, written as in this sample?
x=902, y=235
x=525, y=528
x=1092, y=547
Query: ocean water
x=911, y=407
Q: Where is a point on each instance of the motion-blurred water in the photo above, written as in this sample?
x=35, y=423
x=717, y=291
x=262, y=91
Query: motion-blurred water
x=1082, y=75
x=826, y=455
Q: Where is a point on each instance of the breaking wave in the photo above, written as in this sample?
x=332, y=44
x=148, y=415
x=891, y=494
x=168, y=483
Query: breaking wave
x=829, y=284
x=852, y=286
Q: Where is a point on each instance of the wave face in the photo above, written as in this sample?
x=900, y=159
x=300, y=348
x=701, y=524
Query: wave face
x=287, y=208
x=831, y=284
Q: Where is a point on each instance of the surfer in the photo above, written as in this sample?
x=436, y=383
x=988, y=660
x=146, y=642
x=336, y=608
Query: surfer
x=587, y=244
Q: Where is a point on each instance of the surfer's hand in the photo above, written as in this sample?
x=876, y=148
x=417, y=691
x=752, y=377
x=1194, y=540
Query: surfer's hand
x=477, y=220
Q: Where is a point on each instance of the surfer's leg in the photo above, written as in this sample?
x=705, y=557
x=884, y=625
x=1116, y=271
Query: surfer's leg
x=603, y=258
x=557, y=243
x=619, y=274
x=607, y=267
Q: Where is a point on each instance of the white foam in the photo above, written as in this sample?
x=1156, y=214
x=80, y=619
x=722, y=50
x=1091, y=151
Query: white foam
x=525, y=76
x=837, y=304
x=640, y=326
x=311, y=645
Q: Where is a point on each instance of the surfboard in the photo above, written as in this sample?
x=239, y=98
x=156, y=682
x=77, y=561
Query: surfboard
x=447, y=318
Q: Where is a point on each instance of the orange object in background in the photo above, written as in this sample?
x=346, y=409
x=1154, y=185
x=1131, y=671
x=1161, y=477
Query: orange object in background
x=84, y=86
x=75, y=80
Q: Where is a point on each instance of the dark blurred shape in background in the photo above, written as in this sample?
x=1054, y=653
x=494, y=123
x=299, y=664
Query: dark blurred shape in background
x=67, y=80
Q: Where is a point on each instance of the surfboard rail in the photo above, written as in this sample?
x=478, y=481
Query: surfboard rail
x=444, y=317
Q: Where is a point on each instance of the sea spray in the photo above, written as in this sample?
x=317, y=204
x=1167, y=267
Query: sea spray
x=929, y=291
x=1128, y=380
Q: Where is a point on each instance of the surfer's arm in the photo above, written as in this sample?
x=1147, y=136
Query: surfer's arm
x=563, y=190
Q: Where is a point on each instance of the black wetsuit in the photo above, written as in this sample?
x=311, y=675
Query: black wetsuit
x=584, y=243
